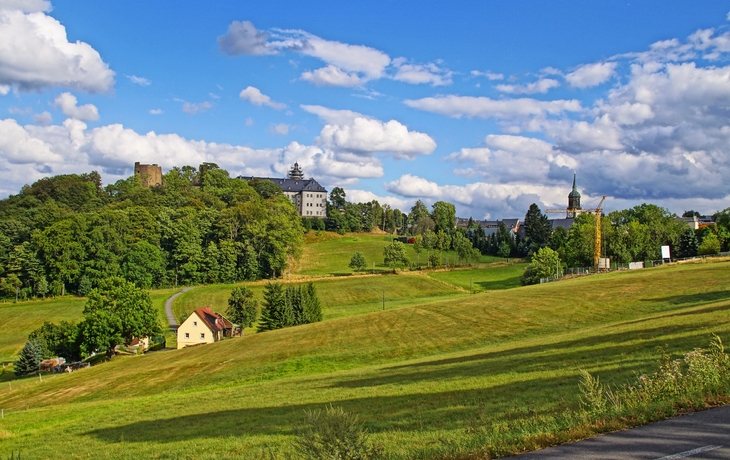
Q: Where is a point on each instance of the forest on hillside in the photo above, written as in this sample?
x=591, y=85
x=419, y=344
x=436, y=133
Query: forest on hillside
x=64, y=234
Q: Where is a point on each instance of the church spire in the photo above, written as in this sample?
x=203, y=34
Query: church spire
x=573, y=200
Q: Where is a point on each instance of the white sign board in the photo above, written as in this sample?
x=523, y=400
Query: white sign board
x=665, y=252
x=636, y=265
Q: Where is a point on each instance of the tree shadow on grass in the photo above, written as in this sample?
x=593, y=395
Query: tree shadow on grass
x=623, y=352
x=411, y=412
x=506, y=283
x=697, y=299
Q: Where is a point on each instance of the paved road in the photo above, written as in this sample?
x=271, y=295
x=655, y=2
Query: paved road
x=700, y=435
x=168, y=308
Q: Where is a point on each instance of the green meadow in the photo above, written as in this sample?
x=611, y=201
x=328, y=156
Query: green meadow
x=484, y=278
x=477, y=376
x=329, y=253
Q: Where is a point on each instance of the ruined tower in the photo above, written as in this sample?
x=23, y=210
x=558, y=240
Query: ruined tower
x=149, y=175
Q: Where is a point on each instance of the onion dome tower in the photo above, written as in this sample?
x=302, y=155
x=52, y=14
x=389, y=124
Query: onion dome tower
x=295, y=172
x=573, y=201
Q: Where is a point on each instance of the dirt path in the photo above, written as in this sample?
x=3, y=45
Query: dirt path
x=168, y=308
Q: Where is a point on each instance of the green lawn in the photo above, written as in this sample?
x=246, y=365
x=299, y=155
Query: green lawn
x=340, y=297
x=330, y=253
x=17, y=320
x=485, y=278
x=450, y=378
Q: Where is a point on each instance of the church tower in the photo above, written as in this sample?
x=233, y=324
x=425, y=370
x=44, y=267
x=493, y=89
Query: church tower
x=295, y=172
x=573, y=201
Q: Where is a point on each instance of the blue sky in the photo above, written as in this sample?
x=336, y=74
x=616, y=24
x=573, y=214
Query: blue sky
x=489, y=105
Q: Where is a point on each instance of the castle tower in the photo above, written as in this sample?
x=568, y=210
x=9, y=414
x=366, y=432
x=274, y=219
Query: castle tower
x=149, y=175
x=295, y=172
x=573, y=201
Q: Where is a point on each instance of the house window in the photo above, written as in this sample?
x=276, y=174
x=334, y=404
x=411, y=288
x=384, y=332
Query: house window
x=187, y=335
x=195, y=323
x=202, y=335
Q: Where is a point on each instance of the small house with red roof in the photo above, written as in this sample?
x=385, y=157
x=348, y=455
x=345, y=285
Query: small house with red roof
x=203, y=326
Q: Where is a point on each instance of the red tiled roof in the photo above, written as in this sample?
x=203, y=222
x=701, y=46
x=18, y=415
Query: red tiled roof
x=215, y=321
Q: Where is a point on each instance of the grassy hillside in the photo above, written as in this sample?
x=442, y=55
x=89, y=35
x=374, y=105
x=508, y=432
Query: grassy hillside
x=340, y=297
x=330, y=253
x=429, y=381
x=486, y=278
x=17, y=320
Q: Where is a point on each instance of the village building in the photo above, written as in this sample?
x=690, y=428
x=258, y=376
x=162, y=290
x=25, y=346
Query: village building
x=307, y=195
x=204, y=326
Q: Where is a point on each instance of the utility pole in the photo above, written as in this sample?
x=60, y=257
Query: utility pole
x=471, y=291
x=383, y=300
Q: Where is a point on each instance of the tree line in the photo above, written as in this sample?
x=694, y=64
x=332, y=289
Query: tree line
x=67, y=233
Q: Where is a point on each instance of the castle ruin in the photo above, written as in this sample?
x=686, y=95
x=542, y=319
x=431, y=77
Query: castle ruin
x=149, y=175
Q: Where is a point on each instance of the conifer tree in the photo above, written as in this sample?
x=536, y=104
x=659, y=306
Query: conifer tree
x=276, y=311
x=312, y=306
x=688, y=244
x=30, y=358
x=242, y=307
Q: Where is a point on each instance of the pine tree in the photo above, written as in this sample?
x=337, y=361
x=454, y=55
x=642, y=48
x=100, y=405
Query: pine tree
x=242, y=308
x=276, y=311
x=312, y=306
x=30, y=358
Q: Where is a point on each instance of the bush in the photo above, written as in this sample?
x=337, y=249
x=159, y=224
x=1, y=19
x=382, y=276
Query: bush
x=698, y=375
x=334, y=434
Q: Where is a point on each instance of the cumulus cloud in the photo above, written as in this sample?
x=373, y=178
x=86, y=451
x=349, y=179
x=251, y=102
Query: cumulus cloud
x=67, y=102
x=591, y=74
x=26, y=6
x=243, y=38
x=43, y=118
x=413, y=186
x=348, y=132
x=141, y=81
x=195, y=108
x=19, y=147
x=484, y=107
x=543, y=85
x=156, y=112
x=366, y=196
x=35, y=54
x=257, y=98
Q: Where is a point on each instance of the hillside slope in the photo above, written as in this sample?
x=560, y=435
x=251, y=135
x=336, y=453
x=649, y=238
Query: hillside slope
x=419, y=376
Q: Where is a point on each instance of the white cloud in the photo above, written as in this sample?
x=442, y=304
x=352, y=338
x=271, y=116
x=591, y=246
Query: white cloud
x=194, y=108
x=4, y=90
x=243, y=38
x=67, y=102
x=333, y=76
x=421, y=73
x=589, y=75
x=333, y=116
x=156, y=112
x=19, y=111
x=257, y=98
x=26, y=6
x=367, y=136
x=141, y=81
x=43, y=118
x=366, y=196
x=488, y=74
x=35, y=54
x=543, y=85
x=249, y=121
x=414, y=186
x=280, y=129
x=484, y=107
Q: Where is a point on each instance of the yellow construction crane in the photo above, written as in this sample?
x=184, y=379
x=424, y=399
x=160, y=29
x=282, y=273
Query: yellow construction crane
x=598, y=210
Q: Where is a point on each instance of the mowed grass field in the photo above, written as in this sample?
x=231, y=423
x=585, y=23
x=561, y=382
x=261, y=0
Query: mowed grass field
x=429, y=381
x=340, y=297
x=330, y=253
x=485, y=278
x=17, y=320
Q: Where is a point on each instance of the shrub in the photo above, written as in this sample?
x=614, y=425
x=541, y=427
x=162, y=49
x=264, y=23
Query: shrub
x=334, y=434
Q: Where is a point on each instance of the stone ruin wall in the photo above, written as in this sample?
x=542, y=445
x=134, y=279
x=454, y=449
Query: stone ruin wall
x=149, y=175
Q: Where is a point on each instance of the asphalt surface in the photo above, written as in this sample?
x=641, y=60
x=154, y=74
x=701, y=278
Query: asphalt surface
x=168, y=309
x=699, y=435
